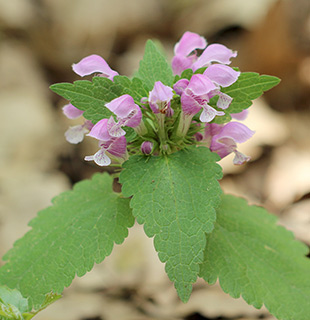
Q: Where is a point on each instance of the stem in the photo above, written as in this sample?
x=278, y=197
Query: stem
x=162, y=133
x=185, y=121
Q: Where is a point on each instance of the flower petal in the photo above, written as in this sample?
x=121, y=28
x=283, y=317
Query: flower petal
x=214, y=53
x=237, y=131
x=117, y=147
x=221, y=74
x=208, y=113
x=180, y=63
x=190, y=105
x=122, y=106
x=100, y=130
x=114, y=128
x=91, y=64
x=100, y=158
x=189, y=42
x=160, y=97
x=71, y=112
x=223, y=146
x=224, y=100
x=240, y=158
x=200, y=85
x=240, y=115
x=75, y=134
x=180, y=86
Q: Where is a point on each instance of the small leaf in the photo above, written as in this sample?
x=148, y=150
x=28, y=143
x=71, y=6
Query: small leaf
x=255, y=258
x=154, y=67
x=67, y=239
x=175, y=196
x=12, y=304
x=249, y=86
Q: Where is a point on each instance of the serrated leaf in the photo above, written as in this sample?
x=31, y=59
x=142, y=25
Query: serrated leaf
x=134, y=87
x=175, y=196
x=249, y=86
x=67, y=239
x=257, y=259
x=90, y=97
x=154, y=67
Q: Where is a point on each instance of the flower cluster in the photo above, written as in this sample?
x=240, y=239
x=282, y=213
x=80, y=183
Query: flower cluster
x=169, y=118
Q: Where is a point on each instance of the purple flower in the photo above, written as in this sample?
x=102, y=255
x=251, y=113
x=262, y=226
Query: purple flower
x=147, y=147
x=127, y=112
x=214, y=53
x=183, y=58
x=160, y=99
x=100, y=131
x=180, y=86
x=197, y=95
x=223, y=139
x=115, y=148
x=76, y=134
x=222, y=75
x=240, y=115
x=71, y=112
x=92, y=64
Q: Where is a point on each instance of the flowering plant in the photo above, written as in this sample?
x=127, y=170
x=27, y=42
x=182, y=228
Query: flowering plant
x=164, y=130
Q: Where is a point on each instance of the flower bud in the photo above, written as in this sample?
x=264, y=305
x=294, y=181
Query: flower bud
x=147, y=147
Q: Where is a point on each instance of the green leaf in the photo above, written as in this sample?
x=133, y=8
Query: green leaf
x=134, y=87
x=13, y=297
x=249, y=86
x=90, y=97
x=175, y=196
x=12, y=304
x=259, y=260
x=67, y=239
x=154, y=67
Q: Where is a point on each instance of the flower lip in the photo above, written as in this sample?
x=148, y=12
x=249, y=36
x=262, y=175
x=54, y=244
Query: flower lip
x=100, y=131
x=189, y=42
x=92, y=64
x=214, y=53
x=221, y=74
x=71, y=112
x=127, y=112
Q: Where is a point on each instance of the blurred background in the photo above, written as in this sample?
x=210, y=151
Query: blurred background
x=39, y=41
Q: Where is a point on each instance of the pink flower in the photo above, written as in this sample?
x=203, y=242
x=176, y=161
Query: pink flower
x=223, y=139
x=127, y=112
x=214, y=53
x=115, y=148
x=76, y=133
x=71, y=112
x=100, y=131
x=92, y=64
x=197, y=94
x=183, y=58
x=240, y=115
x=222, y=75
x=160, y=99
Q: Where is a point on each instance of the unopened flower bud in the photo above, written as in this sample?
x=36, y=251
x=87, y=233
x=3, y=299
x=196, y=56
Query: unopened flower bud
x=147, y=147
